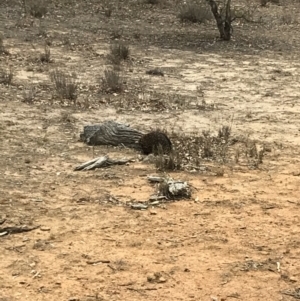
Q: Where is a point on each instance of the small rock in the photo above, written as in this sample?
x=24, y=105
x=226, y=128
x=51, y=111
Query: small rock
x=150, y=278
x=161, y=280
x=152, y=212
x=293, y=279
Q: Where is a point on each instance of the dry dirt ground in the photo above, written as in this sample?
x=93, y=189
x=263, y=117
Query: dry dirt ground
x=237, y=238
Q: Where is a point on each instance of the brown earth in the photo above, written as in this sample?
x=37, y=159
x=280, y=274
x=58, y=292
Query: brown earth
x=236, y=239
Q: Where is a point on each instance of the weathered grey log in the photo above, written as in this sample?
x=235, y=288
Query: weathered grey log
x=100, y=162
x=111, y=133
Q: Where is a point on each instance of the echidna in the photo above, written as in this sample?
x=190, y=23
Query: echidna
x=155, y=142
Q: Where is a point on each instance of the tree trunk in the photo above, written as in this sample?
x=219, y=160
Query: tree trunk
x=224, y=26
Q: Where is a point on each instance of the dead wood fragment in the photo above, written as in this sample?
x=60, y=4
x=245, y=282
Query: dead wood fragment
x=294, y=293
x=15, y=230
x=139, y=206
x=172, y=189
x=155, y=179
x=98, y=261
x=142, y=289
x=101, y=162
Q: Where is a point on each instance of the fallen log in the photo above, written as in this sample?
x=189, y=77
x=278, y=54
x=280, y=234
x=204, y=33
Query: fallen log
x=111, y=133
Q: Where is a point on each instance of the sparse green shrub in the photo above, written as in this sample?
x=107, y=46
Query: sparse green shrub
x=6, y=76
x=118, y=52
x=195, y=12
x=66, y=86
x=112, y=82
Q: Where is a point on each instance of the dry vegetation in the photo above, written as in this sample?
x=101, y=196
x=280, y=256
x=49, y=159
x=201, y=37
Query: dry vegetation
x=231, y=110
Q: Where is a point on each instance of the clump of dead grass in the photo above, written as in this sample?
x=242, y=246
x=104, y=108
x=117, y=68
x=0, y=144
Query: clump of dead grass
x=65, y=85
x=46, y=56
x=29, y=95
x=288, y=18
x=195, y=12
x=6, y=76
x=118, y=52
x=36, y=8
x=2, y=48
x=153, y=2
x=265, y=2
x=169, y=162
x=112, y=81
x=108, y=10
x=116, y=33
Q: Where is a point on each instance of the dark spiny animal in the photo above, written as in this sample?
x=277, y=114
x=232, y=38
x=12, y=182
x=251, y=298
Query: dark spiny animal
x=155, y=142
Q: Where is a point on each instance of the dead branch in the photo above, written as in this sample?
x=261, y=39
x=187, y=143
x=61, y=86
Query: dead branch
x=16, y=230
x=98, y=261
x=171, y=189
x=101, y=162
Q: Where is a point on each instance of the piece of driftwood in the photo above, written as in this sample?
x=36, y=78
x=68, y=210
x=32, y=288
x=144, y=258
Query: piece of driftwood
x=111, y=133
x=15, y=230
x=101, y=162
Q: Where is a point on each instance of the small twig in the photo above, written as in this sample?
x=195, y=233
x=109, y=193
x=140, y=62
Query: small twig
x=37, y=274
x=126, y=284
x=111, y=267
x=97, y=261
